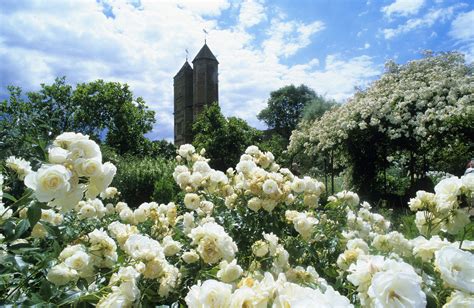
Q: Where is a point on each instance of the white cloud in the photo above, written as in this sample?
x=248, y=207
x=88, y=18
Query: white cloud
x=204, y=7
x=426, y=21
x=403, y=7
x=252, y=12
x=462, y=30
x=287, y=37
x=462, y=27
x=144, y=47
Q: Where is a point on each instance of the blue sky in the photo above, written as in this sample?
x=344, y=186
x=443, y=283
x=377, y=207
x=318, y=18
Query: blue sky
x=332, y=46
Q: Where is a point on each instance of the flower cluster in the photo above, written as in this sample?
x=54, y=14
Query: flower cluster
x=421, y=105
x=264, y=292
x=82, y=260
x=255, y=236
x=444, y=210
x=75, y=167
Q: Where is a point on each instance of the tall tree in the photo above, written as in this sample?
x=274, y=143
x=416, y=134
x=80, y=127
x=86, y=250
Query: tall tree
x=285, y=108
x=224, y=139
x=96, y=108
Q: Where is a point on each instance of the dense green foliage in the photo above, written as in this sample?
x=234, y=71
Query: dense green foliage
x=102, y=110
x=223, y=138
x=287, y=105
x=145, y=179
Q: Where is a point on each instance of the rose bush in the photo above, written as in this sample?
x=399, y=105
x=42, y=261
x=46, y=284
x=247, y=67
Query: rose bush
x=417, y=117
x=254, y=236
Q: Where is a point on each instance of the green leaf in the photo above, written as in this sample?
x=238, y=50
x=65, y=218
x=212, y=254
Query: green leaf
x=34, y=214
x=71, y=298
x=52, y=230
x=9, y=197
x=21, y=265
x=21, y=228
x=45, y=291
x=82, y=284
x=9, y=229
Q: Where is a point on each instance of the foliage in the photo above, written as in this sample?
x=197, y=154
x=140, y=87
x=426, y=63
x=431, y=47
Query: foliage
x=317, y=107
x=96, y=108
x=224, y=139
x=256, y=235
x=285, y=108
x=417, y=117
x=144, y=179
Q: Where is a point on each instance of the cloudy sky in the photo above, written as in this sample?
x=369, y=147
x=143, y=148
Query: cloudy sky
x=331, y=45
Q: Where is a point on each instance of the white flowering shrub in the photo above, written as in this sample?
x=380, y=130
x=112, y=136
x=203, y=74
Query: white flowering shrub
x=254, y=236
x=417, y=116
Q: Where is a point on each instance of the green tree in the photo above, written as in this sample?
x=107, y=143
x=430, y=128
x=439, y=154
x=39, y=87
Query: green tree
x=224, y=139
x=285, y=108
x=96, y=108
x=317, y=107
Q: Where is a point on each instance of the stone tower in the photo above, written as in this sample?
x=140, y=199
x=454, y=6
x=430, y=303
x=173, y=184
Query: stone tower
x=183, y=105
x=194, y=88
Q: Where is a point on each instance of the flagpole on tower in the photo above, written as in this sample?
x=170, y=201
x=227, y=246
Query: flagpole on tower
x=205, y=35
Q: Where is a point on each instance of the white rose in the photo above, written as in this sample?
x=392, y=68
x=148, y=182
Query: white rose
x=229, y=271
x=255, y=204
x=170, y=246
x=190, y=256
x=126, y=215
x=460, y=299
x=245, y=166
x=183, y=178
x=99, y=183
x=449, y=188
x=260, y=248
x=116, y=299
x=456, y=267
x=186, y=151
x=252, y=150
x=247, y=297
x=396, y=289
x=49, y=182
x=78, y=261
x=298, y=185
x=270, y=187
x=69, y=251
x=211, y=293
x=468, y=182
x=65, y=139
x=38, y=231
x=191, y=201
x=457, y=220
x=70, y=199
x=87, y=211
x=268, y=205
x=88, y=167
x=57, y=155
x=61, y=274
x=195, y=179
x=85, y=149
x=140, y=215
x=201, y=167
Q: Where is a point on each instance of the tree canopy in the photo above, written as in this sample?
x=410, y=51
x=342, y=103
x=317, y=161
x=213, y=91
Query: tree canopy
x=285, y=108
x=102, y=110
x=223, y=138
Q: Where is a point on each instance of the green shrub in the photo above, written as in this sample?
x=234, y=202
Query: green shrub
x=145, y=179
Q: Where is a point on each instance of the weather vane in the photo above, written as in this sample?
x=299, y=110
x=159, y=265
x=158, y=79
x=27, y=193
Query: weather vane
x=205, y=35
